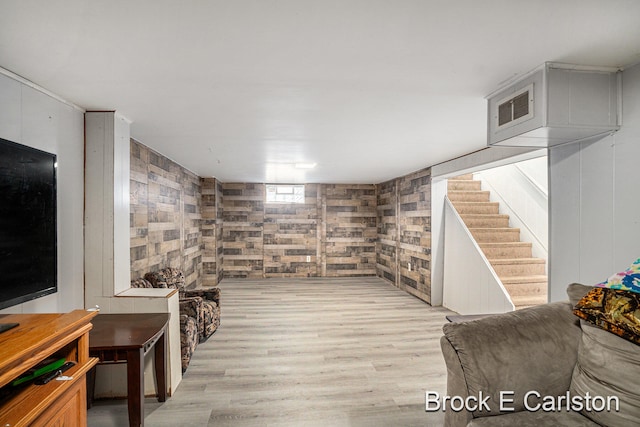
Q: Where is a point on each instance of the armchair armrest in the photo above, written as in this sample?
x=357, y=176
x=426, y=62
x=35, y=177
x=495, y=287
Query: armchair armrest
x=518, y=352
x=191, y=307
x=456, y=384
x=211, y=294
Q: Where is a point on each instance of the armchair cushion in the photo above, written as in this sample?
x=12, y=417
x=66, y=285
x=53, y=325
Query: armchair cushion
x=608, y=366
x=576, y=291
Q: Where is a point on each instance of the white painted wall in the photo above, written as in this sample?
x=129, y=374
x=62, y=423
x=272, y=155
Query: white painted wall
x=537, y=171
x=107, y=230
x=593, y=201
x=107, y=249
x=471, y=284
x=438, y=195
x=33, y=117
x=522, y=191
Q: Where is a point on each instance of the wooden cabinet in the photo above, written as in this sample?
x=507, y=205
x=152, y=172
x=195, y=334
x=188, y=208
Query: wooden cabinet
x=41, y=336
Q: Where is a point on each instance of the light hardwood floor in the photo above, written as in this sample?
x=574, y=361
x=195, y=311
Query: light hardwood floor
x=307, y=352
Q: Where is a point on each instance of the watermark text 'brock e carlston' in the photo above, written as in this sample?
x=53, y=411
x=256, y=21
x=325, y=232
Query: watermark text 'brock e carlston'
x=533, y=401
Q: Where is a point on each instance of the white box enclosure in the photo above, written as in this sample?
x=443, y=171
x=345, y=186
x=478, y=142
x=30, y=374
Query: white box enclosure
x=555, y=104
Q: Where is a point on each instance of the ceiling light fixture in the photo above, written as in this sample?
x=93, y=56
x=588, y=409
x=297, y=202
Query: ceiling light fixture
x=305, y=165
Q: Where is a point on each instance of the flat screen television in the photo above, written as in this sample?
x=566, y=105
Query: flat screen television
x=28, y=237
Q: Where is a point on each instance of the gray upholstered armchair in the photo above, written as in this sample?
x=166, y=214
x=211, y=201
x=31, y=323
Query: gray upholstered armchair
x=543, y=354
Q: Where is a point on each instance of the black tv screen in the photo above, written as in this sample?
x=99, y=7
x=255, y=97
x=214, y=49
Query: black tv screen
x=28, y=246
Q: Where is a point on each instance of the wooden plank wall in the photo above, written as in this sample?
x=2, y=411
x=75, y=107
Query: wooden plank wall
x=242, y=229
x=335, y=228
x=350, y=224
x=290, y=236
x=219, y=236
x=139, y=209
x=165, y=215
x=387, y=245
x=404, y=229
x=211, y=228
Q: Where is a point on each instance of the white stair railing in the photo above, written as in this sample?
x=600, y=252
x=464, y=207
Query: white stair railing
x=471, y=286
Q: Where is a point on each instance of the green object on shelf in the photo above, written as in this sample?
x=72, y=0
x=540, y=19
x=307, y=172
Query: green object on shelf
x=36, y=372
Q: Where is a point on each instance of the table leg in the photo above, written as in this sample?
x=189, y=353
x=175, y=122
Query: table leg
x=135, y=387
x=161, y=367
x=91, y=386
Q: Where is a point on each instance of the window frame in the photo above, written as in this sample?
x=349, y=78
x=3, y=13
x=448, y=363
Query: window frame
x=297, y=197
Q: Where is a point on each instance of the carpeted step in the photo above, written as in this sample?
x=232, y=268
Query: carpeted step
x=519, y=280
x=526, y=301
x=485, y=221
x=464, y=185
x=464, y=177
x=468, y=196
x=507, y=250
x=526, y=291
x=512, y=267
x=490, y=235
x=521, y=286
x=476, y=207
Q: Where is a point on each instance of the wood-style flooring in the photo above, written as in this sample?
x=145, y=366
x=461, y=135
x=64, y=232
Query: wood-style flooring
x=307, y=352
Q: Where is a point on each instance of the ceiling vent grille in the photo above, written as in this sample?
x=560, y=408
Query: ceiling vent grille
x=516, y=109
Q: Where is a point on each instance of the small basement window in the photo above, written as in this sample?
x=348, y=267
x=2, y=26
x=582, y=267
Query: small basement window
x=285, y=193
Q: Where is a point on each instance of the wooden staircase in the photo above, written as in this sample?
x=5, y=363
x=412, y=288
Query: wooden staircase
x=521, y=274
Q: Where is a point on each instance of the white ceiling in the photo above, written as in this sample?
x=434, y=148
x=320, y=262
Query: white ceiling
x=367, y=89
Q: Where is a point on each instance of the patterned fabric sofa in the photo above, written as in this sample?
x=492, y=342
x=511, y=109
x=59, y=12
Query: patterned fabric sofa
x=199, y=308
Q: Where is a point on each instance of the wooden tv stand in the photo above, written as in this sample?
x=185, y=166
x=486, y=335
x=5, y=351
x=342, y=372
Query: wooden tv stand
x=38, y=337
